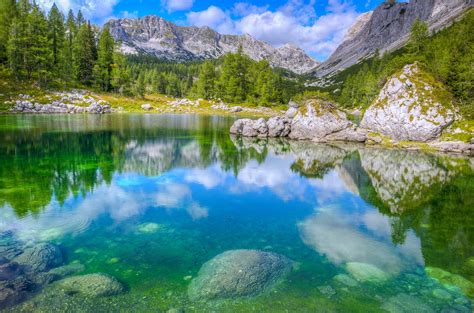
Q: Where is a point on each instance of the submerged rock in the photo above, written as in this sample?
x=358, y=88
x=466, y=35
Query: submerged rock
x=411, y=106
x=447, y=278
x=238, y=273
x=406, y=303
x=365, y=272
x=9, y=271
x=92, y=285
x=149, y=228
x=41, y=257
x=346, y=280
x=14, y=291
x=66, y=270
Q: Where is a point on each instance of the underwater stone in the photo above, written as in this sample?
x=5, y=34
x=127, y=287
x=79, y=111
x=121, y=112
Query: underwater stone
x=346, y=280
x=41, y=257
x=69, y=269
x=9, y=271
x=148, y=228
x=441, y=294
x=447, y=278
x=365, y=272
x=92, y=285
x=327, y=290
x=406, y=303
x=238, y=273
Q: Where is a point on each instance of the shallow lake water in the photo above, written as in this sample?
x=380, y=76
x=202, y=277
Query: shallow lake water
x=148, y=199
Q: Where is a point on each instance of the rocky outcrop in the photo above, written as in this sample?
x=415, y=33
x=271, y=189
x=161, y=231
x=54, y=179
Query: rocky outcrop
x=238, y=273
x=387, y=28
x=321, y=119
x=411, y=106
x=275, y=127
x=156, y=36
x=321, y=122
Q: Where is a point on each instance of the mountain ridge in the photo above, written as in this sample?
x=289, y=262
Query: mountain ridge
x=387, y=28
x=156, y=36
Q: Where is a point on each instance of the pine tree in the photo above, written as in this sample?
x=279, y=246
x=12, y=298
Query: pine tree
x=105, y=59
x=18, y=42
x=8, y=12
x=418, y=36
x=84, y=54
x=121, y=78
x=206, y=82
x=57, y=36
x=264, y=84
x=71, y=32
x=139, y=86
x=80, y=20
x=41, y=55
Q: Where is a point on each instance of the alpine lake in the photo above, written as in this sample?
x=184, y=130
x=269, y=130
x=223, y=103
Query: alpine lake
x=149, y=199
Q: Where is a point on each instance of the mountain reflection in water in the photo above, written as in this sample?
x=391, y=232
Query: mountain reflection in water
x=64, y=178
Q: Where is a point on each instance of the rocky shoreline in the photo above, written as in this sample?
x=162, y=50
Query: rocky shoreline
x=408, y=113
x=71, y=102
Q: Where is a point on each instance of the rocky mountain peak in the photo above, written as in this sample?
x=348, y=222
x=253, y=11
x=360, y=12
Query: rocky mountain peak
x=156, y=36
x=387, y=28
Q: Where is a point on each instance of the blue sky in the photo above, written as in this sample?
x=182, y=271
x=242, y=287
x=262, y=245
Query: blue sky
x=317, y=26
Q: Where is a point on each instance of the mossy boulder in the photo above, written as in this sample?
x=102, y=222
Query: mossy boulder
x=412, y=106
x=238, y=273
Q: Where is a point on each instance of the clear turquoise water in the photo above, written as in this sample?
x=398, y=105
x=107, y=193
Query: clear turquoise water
x=148, y=199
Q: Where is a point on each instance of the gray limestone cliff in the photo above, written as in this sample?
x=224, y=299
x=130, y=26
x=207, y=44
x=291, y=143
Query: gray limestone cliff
x=387, y=28
x=155, y=36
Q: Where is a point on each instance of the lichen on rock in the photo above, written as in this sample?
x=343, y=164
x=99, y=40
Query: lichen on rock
x=411, y=106
x=321, y=119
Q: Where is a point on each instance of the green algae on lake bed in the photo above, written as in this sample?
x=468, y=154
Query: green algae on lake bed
x=149, y=199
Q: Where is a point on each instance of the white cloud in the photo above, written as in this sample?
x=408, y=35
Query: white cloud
x=213, y=17
x=177, y=5
x=92, y=9
x=244, y=8
x=296, y=22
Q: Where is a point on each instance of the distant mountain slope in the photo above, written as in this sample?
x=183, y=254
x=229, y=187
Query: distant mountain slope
x=156, y=36
x=388, y=27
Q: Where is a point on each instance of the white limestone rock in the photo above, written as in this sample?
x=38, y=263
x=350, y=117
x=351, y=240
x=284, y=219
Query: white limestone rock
x=320, y=120
x=410, y=107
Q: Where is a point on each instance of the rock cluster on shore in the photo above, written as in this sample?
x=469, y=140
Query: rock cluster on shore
x=69, y=102
x=410, y=107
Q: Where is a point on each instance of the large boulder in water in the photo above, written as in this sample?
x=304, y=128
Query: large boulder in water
x=411, y=106
x=238, y=273
x=320, y=120
x=91, y=285
x=41, y=257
